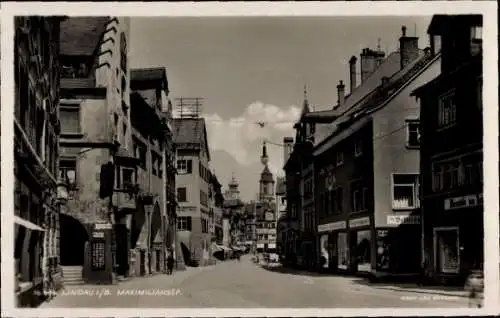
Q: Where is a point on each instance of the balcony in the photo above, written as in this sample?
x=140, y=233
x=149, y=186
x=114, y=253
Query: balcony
x=125, y=202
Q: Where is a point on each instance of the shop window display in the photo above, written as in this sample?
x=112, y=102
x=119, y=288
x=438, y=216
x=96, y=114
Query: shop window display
x=324, y=251
x=342, y=251
x=363, y=249
x=447, y=250
x=383, y=248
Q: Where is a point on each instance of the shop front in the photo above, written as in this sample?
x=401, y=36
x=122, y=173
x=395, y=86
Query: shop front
x=455, y=239
x=334, y=245
x=361, y=244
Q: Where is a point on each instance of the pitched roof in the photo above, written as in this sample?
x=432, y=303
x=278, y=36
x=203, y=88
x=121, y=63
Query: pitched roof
x=380, y=94
x=81, y=35
x=390, y=66
x=154, y=74
x=190, y=131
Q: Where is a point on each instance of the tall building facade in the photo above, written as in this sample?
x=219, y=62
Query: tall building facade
x=36, y=154
x=96, y=155
x=193, y=181
x=368, y=198
x=451, y=152
x=151, y=116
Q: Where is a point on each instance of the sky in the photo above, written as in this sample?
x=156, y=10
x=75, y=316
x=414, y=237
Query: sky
x=254, y=69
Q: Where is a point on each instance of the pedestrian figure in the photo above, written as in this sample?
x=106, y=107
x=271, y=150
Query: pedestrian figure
x=238, y=256
x=474, y=285
x=170, y=264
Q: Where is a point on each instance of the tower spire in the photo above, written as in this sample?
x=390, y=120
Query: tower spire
x=378, y=44
x=305, y=92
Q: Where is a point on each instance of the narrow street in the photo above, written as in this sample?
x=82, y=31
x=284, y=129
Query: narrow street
x=247, y=285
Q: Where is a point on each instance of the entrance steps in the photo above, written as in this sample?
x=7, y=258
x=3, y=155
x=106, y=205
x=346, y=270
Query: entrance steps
x=72, y=275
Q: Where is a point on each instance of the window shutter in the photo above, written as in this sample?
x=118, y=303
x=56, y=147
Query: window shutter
x=189, y=164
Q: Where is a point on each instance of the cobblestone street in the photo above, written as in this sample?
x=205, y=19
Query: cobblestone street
x=245, y=284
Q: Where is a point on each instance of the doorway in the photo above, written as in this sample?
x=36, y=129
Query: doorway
x=446, y=250
x=73, y=237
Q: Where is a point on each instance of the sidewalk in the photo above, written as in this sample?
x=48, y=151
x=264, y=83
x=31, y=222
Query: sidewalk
x=431, y=290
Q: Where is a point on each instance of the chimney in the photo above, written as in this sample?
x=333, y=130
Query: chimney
x=408, y=48
x=352, y=72
x=287, y=149
x=341, y=93
x=370, y=60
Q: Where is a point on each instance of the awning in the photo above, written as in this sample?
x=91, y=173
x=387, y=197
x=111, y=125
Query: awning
x=260, y=245
x=27, y=224
x=271, y=245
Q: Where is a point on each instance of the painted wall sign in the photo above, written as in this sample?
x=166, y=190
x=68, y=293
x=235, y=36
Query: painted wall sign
x=365, y=221
x=403, y=219
x=467, y=201
x=334, y=226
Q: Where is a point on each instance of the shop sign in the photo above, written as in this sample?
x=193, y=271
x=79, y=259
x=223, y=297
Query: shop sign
x=332, y=226
x=187, y=209
x=467, y=201
x=359, y=222
x=403, y=219
x=98, y=235
x=103, y=226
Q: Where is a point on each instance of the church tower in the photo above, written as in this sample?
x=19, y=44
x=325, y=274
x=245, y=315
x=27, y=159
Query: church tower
x=266, y=182
x=233, y=191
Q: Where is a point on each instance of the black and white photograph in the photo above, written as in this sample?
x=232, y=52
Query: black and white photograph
x=248, y=161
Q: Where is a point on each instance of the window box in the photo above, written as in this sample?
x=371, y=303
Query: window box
x=405, y=191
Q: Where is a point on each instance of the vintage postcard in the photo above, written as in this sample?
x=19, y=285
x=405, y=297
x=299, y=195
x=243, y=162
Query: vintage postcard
x=233, y=159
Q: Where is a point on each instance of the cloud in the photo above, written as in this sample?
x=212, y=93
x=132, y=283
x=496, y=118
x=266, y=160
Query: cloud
x=242, y=137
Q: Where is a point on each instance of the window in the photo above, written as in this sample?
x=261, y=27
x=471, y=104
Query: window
x=184, y=166
x=140, y=153
x=447, y=110
x=182, y=194
x=405, y=191
x=203, y=198
x=340, y=158
x=70, y=119
x=336, y=200
x=184, y=223
x=154, y=163
x=123, y=52
x=67, y=171
x=359, y=197
x=160, y=167
x=127, y=177
x=204, y=226
x=412, y=133
x=358, y=148
x=464, y=171
x=476, y=33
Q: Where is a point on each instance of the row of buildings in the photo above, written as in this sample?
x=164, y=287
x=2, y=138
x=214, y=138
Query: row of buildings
x=107, y=181
x=389, y=179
